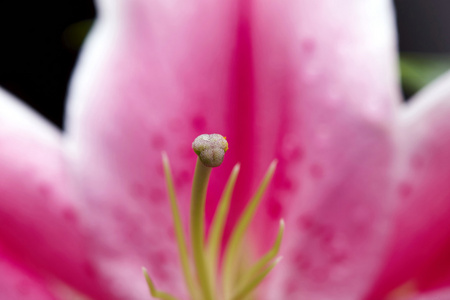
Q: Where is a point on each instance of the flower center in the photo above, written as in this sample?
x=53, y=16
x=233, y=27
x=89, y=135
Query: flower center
x=207, y=274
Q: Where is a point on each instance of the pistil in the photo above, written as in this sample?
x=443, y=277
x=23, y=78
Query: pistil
x=198, y=198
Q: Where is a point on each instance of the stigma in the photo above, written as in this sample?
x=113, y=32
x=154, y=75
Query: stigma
x=210, y=149
x=207, y=274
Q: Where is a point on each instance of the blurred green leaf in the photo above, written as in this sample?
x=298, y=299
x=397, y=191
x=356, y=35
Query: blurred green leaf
x=75, y=34
x=419, y=69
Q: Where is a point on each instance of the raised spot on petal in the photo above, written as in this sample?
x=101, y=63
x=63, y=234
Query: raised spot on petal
x=158, y=142
x=69, y=215
x=157, y=261
x=291, y=150
x=326, y=235
x=45, y=190
x=302, y=263
x=339, y=257
x=309, y=46
x=305, y=222
x=157, y=195
x=316, y=171
x=183, y=178
x=405, y=190
x=291, y=286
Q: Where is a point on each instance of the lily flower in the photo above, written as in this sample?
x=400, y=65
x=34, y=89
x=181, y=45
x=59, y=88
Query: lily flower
x=361, y=183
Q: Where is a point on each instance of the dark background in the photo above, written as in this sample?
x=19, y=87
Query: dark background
x=36, y=59
x=40, y=42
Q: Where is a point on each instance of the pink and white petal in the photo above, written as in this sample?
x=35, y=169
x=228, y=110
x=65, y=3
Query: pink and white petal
x=153, y=76
x=38, y=218
x=326, y=84
x=422, y=226
x=18, y=284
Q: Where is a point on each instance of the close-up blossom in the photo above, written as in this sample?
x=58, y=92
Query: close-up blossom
x=330, y=185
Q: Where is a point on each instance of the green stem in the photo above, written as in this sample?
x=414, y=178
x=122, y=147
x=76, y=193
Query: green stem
x=198, y=199
x=153, y=291
x=218, y=224
x=232, y=249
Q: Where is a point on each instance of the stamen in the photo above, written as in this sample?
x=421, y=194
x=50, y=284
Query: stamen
x=246, y=288
x=232, y=248
x=153, y=291
x=179, y=232
x=271, y=254
x=238, y=281
x=218, y=223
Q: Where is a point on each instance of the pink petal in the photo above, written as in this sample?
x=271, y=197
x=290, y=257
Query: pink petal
x=38, y=220
x=278, y=79
x=18, y=284
x=327, y=96
x=442, y=294
x=422, y=230
x=153, y=76
x=436, y=273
